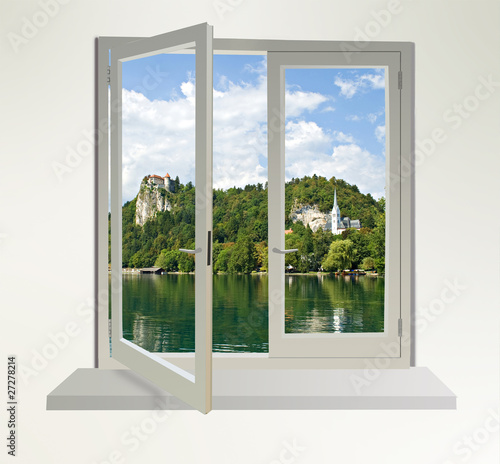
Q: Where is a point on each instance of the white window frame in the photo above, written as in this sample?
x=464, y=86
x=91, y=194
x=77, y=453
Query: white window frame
x=406, y=356
x=338, y=345
x=195, y=389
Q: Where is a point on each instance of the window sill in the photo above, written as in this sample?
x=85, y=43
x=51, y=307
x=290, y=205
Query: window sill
x=261, y=389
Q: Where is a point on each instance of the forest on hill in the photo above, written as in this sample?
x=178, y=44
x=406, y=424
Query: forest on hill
x=240, y=230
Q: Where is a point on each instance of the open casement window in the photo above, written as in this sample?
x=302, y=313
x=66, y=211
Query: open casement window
x=332, y=333
x=302, y=333
x=194, y=388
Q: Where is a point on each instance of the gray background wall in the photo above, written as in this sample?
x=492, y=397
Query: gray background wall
x=47, y=224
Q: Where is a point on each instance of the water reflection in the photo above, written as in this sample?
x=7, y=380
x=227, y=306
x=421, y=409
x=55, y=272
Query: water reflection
x=158, y=310
x=334, y=304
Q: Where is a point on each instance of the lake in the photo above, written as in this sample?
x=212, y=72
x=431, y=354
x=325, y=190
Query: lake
x=158, y=310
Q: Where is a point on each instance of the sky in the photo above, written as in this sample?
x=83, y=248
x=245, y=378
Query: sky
x=334, y=117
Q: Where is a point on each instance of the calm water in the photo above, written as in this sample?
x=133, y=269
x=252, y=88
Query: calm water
x=158, y=311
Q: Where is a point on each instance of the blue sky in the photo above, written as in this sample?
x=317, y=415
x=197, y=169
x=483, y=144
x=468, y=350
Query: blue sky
x=335, y=122
x=339, y=111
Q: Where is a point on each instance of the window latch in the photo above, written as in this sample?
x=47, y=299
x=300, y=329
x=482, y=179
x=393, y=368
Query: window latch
x=193, y=252
x=284, y=252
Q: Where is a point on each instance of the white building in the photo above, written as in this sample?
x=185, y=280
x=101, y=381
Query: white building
x=337, y=224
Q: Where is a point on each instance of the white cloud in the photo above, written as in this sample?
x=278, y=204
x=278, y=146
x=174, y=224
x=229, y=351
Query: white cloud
x=328, y=109
x=360, y=167
x=339, y=136
x=240, y=140
x=349, y=162
x=308, y=151
x=148, y=146
x=349, y=87
x=187, y=89
x=304, y=139
x=260, y=68
x=353, y=117
x=305, y=142
x=380, y=133
x=375, y=81
x=370, y=117
x=158, y=135
x=299, y=101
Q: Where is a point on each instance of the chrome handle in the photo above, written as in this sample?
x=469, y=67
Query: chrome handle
x=284, y=252
x=184, y=250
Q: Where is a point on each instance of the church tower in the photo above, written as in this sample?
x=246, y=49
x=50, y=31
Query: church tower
x=335, y=215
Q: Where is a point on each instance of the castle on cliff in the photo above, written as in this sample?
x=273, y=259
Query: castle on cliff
x=164, y=182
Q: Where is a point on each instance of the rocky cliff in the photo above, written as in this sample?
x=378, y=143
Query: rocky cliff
x=150, y=200
x=308, y=215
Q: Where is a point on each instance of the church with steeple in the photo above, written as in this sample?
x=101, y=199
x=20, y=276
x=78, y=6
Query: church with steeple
x=336, y=223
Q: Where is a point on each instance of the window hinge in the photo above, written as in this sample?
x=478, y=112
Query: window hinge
x=400, y=80
x=400, y=327
x=108, y=75
x=109, y=327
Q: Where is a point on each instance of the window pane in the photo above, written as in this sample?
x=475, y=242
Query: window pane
x=335, y=120
x=158, y=137
x=158, y=193
x=240, y=304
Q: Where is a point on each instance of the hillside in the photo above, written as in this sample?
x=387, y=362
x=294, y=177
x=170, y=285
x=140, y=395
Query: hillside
x=319, y=191
x=240, y=224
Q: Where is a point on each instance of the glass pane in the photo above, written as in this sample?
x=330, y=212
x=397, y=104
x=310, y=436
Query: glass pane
x=158, y=137
x=240, y=303
x=158, y=193
x=335, y=120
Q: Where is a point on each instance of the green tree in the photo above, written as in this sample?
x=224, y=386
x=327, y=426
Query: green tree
x=169, y=260
x=159, y=243
x=377, y=243
x=222, y=262
x=368, y=263
x=321, y=244
x=241, y=215
x=186, y=262
x=138, y=260
x=243, y=257
x=262, y=255
x=339, y=256
x=292, y=259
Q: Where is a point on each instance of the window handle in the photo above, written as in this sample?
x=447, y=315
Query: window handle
x=284, y=252
x=184, y=250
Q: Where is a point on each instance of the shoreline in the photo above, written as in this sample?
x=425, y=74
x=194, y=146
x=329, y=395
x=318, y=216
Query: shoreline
x=130, y=271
